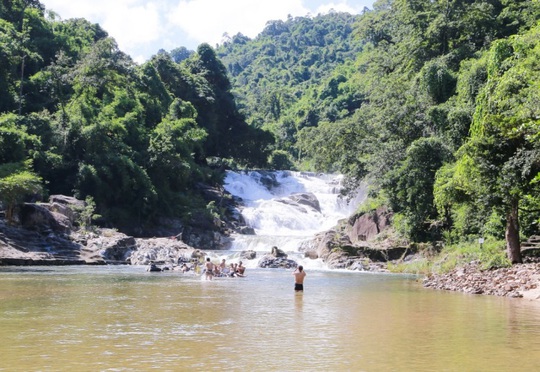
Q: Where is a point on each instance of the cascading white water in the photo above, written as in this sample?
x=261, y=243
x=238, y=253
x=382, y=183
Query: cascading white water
x=282, y=207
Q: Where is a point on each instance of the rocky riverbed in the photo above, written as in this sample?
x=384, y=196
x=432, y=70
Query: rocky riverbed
x=520, y=280
x=46, y=236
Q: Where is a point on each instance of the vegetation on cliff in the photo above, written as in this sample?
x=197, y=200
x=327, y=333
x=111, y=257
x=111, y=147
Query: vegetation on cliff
x=79, y=117
x=433, y=103
x=437, y=110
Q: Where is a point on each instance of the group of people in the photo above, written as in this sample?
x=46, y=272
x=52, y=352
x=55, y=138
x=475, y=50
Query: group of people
x=223, y=270
x=211, y=270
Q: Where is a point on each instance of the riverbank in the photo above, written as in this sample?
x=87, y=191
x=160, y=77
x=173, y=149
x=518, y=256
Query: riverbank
x=518, y=281
x=20, y=246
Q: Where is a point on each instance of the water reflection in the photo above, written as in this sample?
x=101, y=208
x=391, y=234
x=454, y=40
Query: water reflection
x=127, y=319
x=299, y=303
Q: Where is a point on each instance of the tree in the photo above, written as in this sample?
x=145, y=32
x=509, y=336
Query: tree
x=180, y=54
x=16, y=183
x=505, y=142
x=411, y=185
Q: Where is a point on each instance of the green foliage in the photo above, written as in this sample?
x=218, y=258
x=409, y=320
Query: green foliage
x=87, y=213
x=372, y=203
x=17, y=182
x=134, y=139
x=398, y=111
x=433, y=103
x=438, y=80
x=489, y=255
x=278, y=77
x=411, y=185
x=422, y=266
x=280, y=160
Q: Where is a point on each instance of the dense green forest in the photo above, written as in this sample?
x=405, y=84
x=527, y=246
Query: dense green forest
x=79, y=117
x=434, y=104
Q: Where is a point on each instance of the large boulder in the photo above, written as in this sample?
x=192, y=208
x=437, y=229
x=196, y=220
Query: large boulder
x=41, y=245
x=66, y=205
x=39, y=217
x=365, y=226
x=308, y=199
x=326, y=242
x=271, y=262
x=384, y=255
x=59, y=215
x=277, y=258
x=278, y=253
x=203, y=238
x=248, y=255
x=114, y=247
x=164, y=251
x=302, y=200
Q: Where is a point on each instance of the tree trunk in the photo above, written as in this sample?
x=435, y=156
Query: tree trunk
x=21, y=85
x=513, y=245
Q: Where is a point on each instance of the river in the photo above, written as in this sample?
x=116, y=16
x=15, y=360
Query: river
x=122, y=318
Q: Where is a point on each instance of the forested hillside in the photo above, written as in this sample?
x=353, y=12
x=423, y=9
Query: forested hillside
x=434, y=103
x=277, y=75
x=79, y=117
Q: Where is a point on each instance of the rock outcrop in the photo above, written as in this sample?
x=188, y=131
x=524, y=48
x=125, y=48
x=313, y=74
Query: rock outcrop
x=46, y=236
x=365, y=226
x=165, y=251
x=271, y=262
x=300, y=200
x=354, y=244
x=277, y=258
x=248, y=255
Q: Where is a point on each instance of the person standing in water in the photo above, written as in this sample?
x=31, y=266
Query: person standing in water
x=209, y=266
x=299, y=275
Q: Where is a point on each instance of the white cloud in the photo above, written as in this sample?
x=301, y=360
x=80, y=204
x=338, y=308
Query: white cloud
x=339, y=7
x=130, y=22
x=142, y=27
x=133, y=25
x=208, y=20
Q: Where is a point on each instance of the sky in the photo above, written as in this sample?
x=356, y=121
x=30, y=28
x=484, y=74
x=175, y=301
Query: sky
x=142, y=27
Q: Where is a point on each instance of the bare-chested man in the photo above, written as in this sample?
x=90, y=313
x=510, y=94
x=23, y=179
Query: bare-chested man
x=209, y=266
x=299, y=275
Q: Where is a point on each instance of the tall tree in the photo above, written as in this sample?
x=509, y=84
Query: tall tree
x=505, y=141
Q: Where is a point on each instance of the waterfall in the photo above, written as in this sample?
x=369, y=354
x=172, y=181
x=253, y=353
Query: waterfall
x=287, y=209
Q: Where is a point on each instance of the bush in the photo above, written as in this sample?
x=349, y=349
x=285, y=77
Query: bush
x=280, y=160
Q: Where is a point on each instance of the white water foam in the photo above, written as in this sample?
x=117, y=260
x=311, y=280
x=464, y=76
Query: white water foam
x=277, y=219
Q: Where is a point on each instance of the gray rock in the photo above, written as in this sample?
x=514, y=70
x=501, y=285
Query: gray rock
x=163, y=250
x=113, y=246
x=66, y=205
x=245, y=230
x=272, y=262
x=278, y=253
x=248, y=255
x=39, y=217
x=309, y=199
x=365, y=226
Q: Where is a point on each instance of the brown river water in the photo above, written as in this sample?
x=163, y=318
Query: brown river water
x=121, y=318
